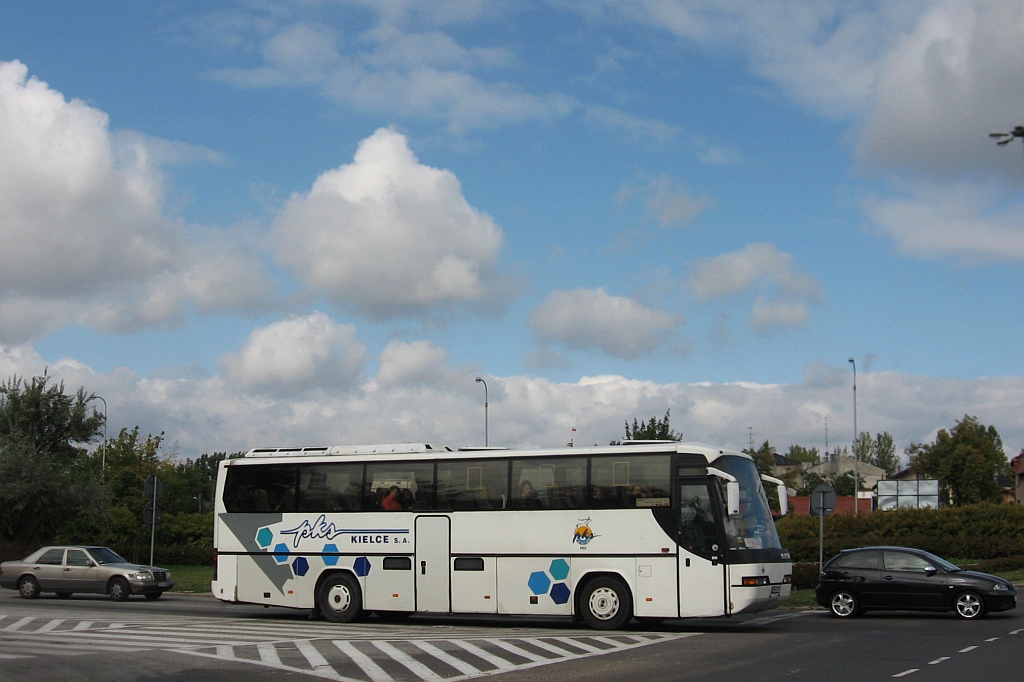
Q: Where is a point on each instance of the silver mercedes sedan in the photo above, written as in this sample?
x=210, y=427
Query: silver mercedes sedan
x=66, y=570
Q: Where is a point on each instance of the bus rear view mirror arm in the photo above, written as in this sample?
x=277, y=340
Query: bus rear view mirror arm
x=732, y=490
x=783, y=492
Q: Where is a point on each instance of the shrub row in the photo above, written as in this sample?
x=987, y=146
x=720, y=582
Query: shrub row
x=981, y=531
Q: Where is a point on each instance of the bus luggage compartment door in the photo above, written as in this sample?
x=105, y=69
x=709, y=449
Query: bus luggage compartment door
x=433, y=564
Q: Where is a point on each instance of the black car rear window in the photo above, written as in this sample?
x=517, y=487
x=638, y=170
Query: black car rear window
x=858, y=560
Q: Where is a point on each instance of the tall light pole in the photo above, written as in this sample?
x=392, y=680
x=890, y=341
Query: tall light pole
x=856, y=460
x=486, y=435
x=103, y=461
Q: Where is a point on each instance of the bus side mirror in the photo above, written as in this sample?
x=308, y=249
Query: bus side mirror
x=732, y=492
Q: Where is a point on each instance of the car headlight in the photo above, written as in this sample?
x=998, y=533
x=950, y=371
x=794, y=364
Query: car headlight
x=142, y=575
x=999, y=586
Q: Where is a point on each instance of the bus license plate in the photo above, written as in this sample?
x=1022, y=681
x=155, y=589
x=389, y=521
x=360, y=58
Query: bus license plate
x=776, y=591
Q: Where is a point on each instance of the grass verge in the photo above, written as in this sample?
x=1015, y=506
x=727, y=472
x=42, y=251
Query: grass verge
x=191, y=578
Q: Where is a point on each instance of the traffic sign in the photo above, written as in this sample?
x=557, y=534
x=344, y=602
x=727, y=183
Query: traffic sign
x=154, y=487
x=823, y=500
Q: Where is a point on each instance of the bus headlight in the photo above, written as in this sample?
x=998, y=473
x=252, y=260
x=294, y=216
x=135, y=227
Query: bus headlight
x=755, y=581
x=787, y=579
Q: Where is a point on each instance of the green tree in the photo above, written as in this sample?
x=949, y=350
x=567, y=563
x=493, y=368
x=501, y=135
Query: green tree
x=764, y=458
x=884, y=453
x=802, y=454
x=965, y=460
x=864, y=447
x=50, y=420
x=45, y=481
x=653, y=429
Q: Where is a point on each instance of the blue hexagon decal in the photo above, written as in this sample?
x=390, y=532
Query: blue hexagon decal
x=264, y=536
x=362, y=567
x=281, y=553
x=330, y=560
x=300, y=566
x=539, y=582
x=560, y=593
x=559, y=569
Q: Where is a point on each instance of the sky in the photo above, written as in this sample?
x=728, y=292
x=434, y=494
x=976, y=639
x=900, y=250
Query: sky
x=318, y=222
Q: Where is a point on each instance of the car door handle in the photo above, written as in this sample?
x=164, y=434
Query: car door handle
x=67, y=569
x=887, y=577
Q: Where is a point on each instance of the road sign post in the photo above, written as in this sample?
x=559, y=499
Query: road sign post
x=153, y=489
x=823, y=502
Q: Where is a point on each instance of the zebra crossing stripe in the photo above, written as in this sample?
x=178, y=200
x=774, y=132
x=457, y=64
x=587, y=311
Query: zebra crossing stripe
x=445, y=657
x=365, y=663
x=51, y=625
x=17, y=625
x=268, y=654
x=497, y=662
x=316, y=660
x=417, y=668
x=513, y=649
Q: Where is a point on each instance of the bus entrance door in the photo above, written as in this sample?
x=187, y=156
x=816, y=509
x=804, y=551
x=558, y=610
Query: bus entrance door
x=433, y=564
x=702, y=586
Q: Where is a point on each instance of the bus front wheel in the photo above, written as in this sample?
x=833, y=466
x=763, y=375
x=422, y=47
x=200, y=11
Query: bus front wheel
x=340, y=599
x=605, y=603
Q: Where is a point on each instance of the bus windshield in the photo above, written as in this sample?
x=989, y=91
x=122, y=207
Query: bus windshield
x=753, y=528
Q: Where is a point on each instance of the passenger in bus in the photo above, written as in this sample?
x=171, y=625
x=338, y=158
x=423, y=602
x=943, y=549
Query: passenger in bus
x=528, y=496
x=598, y=500
x=407, y=499
x=567, y=498
x=392, y=501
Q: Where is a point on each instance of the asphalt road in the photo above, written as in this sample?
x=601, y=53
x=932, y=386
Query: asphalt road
x=184, y=637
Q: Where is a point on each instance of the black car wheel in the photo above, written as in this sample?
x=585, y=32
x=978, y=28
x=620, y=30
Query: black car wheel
x=968, y=605
x=340, y=599
x=605, y=604
x=28, y=587
x=843, y=604
x=118, y=589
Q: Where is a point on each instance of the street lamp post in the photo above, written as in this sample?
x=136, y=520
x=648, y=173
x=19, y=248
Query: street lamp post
x=486, y=435
x=856, y=435
x=1007, y=138
x=103, y=460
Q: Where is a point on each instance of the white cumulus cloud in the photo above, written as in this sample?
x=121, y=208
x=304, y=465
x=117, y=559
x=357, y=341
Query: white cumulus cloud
x=389, y=236
x=85, y=235
x=595, y=320
x=759, y=267
x=295, y=355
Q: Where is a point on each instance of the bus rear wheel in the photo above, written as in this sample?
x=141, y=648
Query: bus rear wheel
x=340, y=599
x=605, y=603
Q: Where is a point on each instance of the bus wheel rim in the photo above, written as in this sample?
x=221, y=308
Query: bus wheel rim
x=339, y=598
x=604, y=603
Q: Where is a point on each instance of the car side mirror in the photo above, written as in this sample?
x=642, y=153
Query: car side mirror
x=930, y=571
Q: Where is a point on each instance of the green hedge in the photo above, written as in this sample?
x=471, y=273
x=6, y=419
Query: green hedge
x=981, y=531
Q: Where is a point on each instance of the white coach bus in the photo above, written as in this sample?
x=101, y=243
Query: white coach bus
x=650, y=530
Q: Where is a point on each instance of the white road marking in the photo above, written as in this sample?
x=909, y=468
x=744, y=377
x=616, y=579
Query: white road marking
x=417, y=668
x=966, y=649
x=938, y=660
x=365, y=663
x=17, y=625
x=499, y=663
x=906, y=672
x=445, y=657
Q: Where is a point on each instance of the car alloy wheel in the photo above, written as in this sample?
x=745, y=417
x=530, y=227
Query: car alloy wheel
x=969, y=605
x=28, y=587
x=118, y=589
x=843, y=604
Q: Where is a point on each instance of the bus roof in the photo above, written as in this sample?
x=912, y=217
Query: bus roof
x=416, y=451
